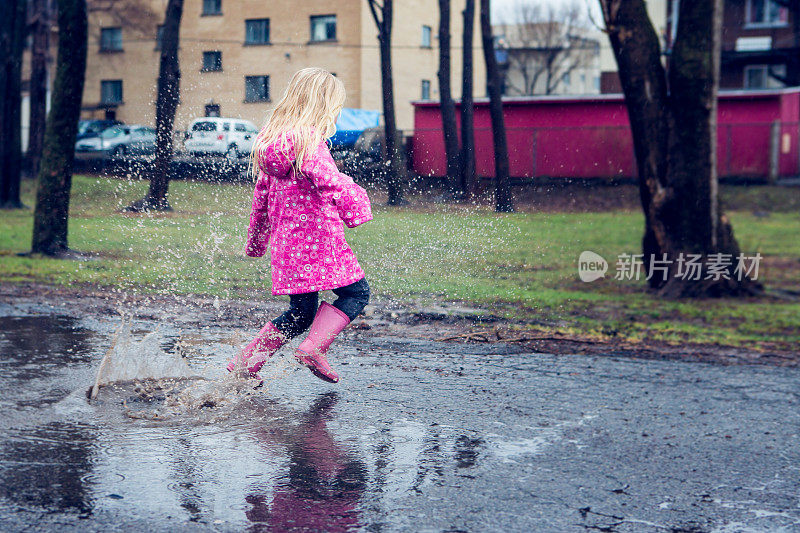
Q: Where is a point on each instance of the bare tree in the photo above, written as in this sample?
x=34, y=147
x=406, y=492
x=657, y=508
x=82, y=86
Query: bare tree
x=545, y=45
x=382, y=14
x=40, y=21
x=503, y=200
x=169, y=77
x=447, y=105
x=12, y=37
x=55, y=173
x=468, y=178
x=673, y=122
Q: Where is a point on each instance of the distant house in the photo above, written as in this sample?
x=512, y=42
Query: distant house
x=760, y=38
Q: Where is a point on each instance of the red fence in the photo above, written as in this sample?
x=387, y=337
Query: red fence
x=757, y=137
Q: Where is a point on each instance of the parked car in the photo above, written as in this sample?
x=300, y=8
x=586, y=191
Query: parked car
x=118, y=141
x=231, y=137
x=366, y=161
x=92, y=128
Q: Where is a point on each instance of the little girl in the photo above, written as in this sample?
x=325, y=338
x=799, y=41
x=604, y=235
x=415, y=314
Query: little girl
x=299, y=204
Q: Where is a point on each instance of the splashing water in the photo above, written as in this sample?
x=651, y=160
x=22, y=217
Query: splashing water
x=129, y=360
x=156, y=385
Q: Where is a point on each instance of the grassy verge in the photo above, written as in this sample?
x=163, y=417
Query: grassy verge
x=522, y=265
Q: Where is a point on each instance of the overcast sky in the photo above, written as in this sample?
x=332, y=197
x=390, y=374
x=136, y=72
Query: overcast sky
x=501, y=8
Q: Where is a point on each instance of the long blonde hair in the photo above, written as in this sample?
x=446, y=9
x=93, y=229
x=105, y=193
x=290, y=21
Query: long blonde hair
x=307, y=112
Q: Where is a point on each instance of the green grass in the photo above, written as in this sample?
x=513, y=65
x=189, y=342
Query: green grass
x=519, y=265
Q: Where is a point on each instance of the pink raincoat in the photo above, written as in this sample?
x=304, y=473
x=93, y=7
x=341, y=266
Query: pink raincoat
x=299, y=215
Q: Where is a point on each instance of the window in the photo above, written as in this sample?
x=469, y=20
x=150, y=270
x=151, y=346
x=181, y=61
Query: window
x=212, y=7
x=114, y=132
x=159, y=36
x=212, y=61
x=239, y=127
x=323, y=28
x=426, y=89
x=206, y=125
x=111, y=40
x=758, y=76
x=566, y=79
x=426, y=36
x=766, y=13
x=111, y=91
x=256, y=31
x=256, y=88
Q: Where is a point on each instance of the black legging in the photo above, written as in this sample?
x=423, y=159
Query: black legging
x=350, y=300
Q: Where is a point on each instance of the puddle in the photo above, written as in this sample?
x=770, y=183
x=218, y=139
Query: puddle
x=121, y=420
x=417, y=436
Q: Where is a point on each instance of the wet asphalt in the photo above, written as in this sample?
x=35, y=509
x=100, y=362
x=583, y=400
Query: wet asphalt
x=418, y=436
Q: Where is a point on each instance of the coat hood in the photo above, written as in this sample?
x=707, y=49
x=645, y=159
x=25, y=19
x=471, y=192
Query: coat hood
x=277, y=158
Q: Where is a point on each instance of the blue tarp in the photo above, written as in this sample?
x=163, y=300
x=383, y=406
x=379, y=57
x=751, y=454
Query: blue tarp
x=350, y=125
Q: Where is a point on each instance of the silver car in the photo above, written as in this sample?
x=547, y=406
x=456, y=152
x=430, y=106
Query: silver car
x=118, y=141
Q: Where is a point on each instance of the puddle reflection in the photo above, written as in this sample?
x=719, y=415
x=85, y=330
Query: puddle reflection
x=325, y=481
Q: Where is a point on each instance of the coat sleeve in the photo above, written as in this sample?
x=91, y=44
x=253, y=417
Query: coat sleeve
x=258, y=231
x=351, y=200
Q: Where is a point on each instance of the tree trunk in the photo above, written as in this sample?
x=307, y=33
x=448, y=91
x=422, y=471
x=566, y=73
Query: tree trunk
x=169, y=80
x=503, y=200
x=55, y=174
x=12, y=38
x=674, y=134
x=468, y=178
x=40, y=54
x=393, y=153
x=447, y=105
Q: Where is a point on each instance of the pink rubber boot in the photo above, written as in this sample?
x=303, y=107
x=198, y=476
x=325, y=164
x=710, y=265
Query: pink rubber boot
x=253, y=356
x=328, y=323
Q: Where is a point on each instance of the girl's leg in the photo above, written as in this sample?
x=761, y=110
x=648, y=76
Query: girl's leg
x=352, y=298
x=290, y=324
x=299, y=316
x=329, y=321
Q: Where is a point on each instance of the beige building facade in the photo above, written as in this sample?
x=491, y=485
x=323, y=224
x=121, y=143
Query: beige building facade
x=236, y=57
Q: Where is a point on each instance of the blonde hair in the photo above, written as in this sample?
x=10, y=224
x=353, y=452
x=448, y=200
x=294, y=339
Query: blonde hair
x=307, y=112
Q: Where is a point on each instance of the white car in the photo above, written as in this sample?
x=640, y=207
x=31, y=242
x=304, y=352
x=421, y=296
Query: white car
x=231, y=137
x=117, y=142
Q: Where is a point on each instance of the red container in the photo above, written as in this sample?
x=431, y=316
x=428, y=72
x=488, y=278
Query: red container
x=589, y=136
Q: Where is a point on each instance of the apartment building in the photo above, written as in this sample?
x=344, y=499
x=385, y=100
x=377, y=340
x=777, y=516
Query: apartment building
x=760, y=38
x=236, y=56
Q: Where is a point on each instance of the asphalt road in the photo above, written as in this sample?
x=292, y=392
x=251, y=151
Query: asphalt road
x=418, y=436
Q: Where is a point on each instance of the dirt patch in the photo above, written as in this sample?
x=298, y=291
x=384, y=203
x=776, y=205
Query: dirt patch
x=451, y=322
x=597, y=195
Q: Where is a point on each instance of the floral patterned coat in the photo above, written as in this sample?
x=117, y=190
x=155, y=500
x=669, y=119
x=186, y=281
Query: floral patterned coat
x=300, y=215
